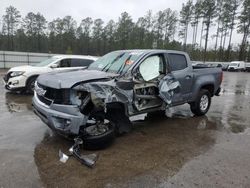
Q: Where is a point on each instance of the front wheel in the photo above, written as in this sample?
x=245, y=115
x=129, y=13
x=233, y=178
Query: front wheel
x=202, y=104
x=31, y=85
x=99, y=133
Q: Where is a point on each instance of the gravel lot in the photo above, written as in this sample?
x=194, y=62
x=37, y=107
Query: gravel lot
x=178, y=151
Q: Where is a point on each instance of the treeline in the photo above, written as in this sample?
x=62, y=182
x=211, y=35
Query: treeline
x=201, y=21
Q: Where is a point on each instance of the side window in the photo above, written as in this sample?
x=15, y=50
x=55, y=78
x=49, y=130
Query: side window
x=65, y=63
x=81, y=62
x=177, y=62
x=152, y=67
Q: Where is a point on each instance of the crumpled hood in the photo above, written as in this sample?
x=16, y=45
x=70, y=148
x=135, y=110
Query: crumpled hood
x=64, y=80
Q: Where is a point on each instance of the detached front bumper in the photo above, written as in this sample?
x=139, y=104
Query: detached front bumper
x=15, y=83
x=64, y=119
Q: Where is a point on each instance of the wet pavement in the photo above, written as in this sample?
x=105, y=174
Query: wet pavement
x=178, y=151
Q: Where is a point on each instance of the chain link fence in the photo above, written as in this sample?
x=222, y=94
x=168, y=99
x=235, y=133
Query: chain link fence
x=9, y=59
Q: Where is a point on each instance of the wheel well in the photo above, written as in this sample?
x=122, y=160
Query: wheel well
x=117, y=106
x=34, y=76
x=210, y=88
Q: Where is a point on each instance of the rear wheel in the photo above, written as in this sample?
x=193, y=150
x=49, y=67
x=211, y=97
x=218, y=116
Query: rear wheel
x=202, y=104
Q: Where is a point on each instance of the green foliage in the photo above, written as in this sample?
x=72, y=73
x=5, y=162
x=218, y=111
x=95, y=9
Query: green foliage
x=244, y=28
x=185, y=18
x=69, y=50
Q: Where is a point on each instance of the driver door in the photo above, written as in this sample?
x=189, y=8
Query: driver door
x=146, y=81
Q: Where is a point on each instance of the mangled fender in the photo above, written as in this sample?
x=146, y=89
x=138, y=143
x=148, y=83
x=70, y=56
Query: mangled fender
x=167, y=87
x=107, y=91
x=110, y=93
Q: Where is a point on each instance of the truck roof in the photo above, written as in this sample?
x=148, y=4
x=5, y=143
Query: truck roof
x=77, y=56
x=145, y=51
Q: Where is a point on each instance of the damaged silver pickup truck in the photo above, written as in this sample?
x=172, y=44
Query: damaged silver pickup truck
x=96, y=103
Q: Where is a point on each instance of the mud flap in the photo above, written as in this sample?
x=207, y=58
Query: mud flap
x=122, y=122
x=168, y=86
x=124, y=126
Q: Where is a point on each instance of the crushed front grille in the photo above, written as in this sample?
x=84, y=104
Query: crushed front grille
x=57, y=96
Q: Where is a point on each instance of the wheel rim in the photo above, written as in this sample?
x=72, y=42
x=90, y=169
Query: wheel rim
x=101, y=128
x=204, y=103
x=32, y=85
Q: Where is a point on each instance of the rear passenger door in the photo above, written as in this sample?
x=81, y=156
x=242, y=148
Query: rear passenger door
x=181, y=71
x=81, y=62
x=74, y=63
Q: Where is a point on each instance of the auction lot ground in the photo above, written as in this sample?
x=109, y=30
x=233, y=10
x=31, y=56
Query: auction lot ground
x=178, y=151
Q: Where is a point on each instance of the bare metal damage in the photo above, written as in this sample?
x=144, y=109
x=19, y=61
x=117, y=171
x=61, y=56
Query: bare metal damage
x=108, y=92
x=105, y=93
x=167, y=87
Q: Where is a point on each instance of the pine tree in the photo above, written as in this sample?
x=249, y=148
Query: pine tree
x=244, y=28
x=11, y=21
x=185, y=18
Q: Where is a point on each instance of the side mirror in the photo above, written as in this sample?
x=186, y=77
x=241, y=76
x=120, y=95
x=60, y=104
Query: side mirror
x=54, y=66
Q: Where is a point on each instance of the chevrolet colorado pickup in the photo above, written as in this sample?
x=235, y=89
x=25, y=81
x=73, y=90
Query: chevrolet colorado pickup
x=96, y=103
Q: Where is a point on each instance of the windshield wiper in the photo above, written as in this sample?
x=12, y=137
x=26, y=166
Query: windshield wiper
x=123, y=65
x=110, y=64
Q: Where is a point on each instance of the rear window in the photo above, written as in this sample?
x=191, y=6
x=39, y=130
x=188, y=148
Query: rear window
x=177, y=62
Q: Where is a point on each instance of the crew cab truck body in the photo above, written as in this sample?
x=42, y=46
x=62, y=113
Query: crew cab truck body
x=97, y=102
x=22, y=78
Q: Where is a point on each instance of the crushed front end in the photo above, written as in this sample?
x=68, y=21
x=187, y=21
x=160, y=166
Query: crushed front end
x=82, y=109
x=55, y=109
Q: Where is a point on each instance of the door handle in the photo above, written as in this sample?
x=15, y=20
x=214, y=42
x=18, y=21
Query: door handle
x=188, y=77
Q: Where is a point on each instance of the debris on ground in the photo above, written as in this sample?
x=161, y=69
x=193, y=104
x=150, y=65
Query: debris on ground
x=88, y=160
x=63, y=157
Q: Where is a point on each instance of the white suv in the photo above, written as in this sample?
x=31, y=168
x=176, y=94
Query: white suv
x=22, y=78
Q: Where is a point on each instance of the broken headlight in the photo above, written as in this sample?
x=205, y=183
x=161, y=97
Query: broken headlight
x=98, y=102
x=77, y=97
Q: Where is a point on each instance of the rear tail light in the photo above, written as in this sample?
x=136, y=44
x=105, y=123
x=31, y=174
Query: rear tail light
x=221, y=77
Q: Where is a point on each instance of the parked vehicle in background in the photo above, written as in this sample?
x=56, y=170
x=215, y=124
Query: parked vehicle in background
x=206, y=65
x=225, y=66
x=218, y=65
x=237, y=66
x=22, y=78
x=199, y=65
x=248, y=67
x=97, y=102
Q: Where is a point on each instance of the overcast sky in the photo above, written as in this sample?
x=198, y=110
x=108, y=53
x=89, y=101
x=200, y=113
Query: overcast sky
x=104, y=9
x=79, y=9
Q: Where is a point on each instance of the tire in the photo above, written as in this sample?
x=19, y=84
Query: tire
x=94, y=142
x=202, y=104
x=31, y=85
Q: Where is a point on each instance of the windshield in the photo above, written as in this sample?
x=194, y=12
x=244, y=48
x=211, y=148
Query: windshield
x=116, y=62
x=234, y=64
x=46, y=62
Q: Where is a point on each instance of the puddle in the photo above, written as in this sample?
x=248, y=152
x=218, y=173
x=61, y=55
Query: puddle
x=165, y=145
x=16, y=103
